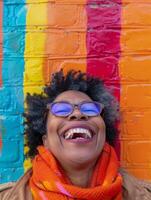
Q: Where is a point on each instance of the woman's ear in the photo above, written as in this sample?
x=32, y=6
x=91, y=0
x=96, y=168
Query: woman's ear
x=44, y=139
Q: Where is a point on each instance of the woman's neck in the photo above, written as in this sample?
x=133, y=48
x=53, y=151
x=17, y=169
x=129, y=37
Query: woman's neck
x=80, y=176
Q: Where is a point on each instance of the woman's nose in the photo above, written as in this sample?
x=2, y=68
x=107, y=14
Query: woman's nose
x=77, y=115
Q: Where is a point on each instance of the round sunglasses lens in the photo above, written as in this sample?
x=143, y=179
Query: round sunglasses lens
x=91, y=108
x=61, y=109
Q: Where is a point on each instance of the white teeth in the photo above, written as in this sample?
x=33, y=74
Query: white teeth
x=70, y=133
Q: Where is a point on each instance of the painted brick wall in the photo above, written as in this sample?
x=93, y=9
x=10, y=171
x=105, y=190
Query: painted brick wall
x=11, y=93
x=26, y=65
x=135, y=73
x=38, y=37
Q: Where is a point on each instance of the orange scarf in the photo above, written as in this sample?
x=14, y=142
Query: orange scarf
x=48, y=181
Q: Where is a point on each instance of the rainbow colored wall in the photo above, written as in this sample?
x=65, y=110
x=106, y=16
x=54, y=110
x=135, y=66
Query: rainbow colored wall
x=107, y=38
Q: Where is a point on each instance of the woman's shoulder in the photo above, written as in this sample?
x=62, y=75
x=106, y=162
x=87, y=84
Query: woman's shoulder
x=134, y=188
x=17, y=190
x=5, y=189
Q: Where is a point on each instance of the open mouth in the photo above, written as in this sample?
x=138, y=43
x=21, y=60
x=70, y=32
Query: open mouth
x=78, y=133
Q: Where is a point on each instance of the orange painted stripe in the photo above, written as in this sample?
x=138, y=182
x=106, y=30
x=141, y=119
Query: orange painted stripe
x=66, y=38
x=1, y=40
x=135, y=98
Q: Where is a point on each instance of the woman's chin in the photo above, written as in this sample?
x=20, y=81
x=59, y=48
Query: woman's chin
x=80, y=157
x=80, y=151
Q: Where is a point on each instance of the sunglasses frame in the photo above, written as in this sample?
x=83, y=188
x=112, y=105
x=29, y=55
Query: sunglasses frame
x=49, y=106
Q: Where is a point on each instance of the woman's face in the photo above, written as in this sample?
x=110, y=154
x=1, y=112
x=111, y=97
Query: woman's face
x=74, y=151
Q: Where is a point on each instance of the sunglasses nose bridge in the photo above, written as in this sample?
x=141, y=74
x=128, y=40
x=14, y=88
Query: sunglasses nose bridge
x=77, y=114
x=76, y=107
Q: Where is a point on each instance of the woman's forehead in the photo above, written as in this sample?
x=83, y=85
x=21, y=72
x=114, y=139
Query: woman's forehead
x=72, y=96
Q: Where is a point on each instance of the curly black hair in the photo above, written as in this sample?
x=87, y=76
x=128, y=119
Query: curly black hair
x=36, y=113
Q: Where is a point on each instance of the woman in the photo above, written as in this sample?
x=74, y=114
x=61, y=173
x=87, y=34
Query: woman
x=71, y=131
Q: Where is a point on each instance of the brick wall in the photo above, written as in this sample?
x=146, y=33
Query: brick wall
x=11, y=91
x=38, y=37
x=135, y=75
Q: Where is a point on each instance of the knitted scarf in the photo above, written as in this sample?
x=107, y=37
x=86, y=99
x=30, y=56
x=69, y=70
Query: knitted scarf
x=49, y=182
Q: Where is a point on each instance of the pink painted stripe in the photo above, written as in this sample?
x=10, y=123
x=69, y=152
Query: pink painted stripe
x=103, y=42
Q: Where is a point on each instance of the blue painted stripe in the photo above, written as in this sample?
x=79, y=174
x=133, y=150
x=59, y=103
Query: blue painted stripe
x=11, y=94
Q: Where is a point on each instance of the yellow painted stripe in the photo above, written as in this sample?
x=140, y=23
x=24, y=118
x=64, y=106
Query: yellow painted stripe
x=34, y=46
x=34, y=51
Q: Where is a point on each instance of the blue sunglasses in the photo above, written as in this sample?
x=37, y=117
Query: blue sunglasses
x=64, y=109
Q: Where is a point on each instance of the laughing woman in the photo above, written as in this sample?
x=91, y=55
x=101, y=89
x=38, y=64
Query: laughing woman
x=70, y=129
